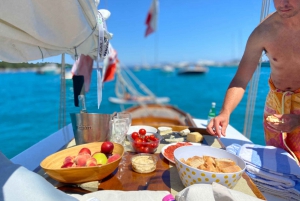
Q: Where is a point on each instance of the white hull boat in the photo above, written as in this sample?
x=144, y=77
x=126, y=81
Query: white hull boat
x=139, y=100
x=81, y=34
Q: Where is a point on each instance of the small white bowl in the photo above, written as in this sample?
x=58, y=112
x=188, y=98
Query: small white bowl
x=136, y=128
x=144, y=163
x=190, y=175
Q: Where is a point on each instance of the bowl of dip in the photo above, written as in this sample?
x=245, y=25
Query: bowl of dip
x=143, y=163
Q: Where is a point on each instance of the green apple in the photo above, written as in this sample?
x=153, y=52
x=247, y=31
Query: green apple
x=100, y=158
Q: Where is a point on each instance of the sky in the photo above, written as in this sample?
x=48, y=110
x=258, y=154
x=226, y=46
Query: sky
x=188, y=31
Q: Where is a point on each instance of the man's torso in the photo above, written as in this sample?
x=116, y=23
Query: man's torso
x=282, y=45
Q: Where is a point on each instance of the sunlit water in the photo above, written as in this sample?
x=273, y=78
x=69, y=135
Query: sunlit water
x=30, y=102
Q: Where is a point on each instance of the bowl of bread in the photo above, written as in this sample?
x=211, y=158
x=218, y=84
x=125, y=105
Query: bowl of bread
x=204, y=164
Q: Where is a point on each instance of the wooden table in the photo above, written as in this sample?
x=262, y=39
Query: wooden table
x=165, y=177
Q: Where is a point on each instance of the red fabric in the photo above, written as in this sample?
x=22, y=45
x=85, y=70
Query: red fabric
x=84, y=66
x=112, y=65
x=151, y=18
x=149, y=29
x=110, y=72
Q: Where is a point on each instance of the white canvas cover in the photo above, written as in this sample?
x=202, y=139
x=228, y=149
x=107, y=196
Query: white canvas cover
x=36, y=29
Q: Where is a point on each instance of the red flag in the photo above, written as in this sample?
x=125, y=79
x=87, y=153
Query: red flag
x=151, y=20
x=112, y=65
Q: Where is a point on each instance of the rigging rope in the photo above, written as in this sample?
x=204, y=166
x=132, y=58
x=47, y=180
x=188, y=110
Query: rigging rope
x=125, y=77
x=254, y=81
x=62, y=105
x=126, y=82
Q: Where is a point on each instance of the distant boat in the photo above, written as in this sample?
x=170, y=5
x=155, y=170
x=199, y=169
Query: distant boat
x=167, y=69
x=139, y=100
x=49, y=69
x=192, y=70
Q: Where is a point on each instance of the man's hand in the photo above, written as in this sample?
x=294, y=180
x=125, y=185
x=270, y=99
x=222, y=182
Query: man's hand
x=288, y=122
x=217, y=126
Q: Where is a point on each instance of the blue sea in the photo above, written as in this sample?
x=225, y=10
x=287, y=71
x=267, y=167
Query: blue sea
x=30, y=102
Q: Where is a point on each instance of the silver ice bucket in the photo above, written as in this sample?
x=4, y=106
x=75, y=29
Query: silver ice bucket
x=90, y=127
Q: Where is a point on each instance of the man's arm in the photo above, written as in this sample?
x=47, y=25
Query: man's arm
x=238, y=84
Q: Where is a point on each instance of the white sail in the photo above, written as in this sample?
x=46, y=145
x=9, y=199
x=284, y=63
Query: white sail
x=36, y=29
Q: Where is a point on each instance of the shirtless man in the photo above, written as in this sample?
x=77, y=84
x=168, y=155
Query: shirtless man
x=279, y=37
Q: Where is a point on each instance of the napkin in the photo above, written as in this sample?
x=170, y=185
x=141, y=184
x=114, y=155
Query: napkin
x=288, y=194
x=18, y=183
x=269, y=178
x=272, y=169
x=267, y=158
x=115, y=195
x=213, y=192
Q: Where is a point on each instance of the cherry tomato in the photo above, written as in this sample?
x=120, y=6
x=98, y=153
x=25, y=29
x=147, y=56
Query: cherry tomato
x=146, y=150
x=141, y=149
x=156, y=139
x=142, y=131
x=135, y=135
x=138, y=142
x=156, y=144
x=153, y=145
x=152, y=137
x=146, y=138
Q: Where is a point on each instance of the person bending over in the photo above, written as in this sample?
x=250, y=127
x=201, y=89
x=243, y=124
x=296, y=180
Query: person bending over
x=279, y=36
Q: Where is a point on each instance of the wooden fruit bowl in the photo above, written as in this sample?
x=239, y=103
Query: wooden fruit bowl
x=52, y=165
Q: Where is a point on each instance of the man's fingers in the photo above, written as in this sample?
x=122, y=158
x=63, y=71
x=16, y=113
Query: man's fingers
x=210, y=130
x=223, y=131
x=277, y=115
x=215, y=129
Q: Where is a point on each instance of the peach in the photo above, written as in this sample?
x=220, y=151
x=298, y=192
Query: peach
x=81, y=159
x=113, y=158
x=85, y=151
x=67, y=165
x=91, y=162
x=69, y=159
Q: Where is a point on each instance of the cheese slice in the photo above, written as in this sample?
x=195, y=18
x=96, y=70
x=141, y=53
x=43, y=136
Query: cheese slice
x=175, y=139
x=165, y=130
x=184, y=132
x=194, y=137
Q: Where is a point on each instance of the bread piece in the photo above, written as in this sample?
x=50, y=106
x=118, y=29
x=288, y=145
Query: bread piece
x=210, y=161
x=224, y=162
x=230, y=169
x=209, y=168
x=182, y=160
x=194, y=137
x=273, y=119
x=211, y=164
x=196, y=161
